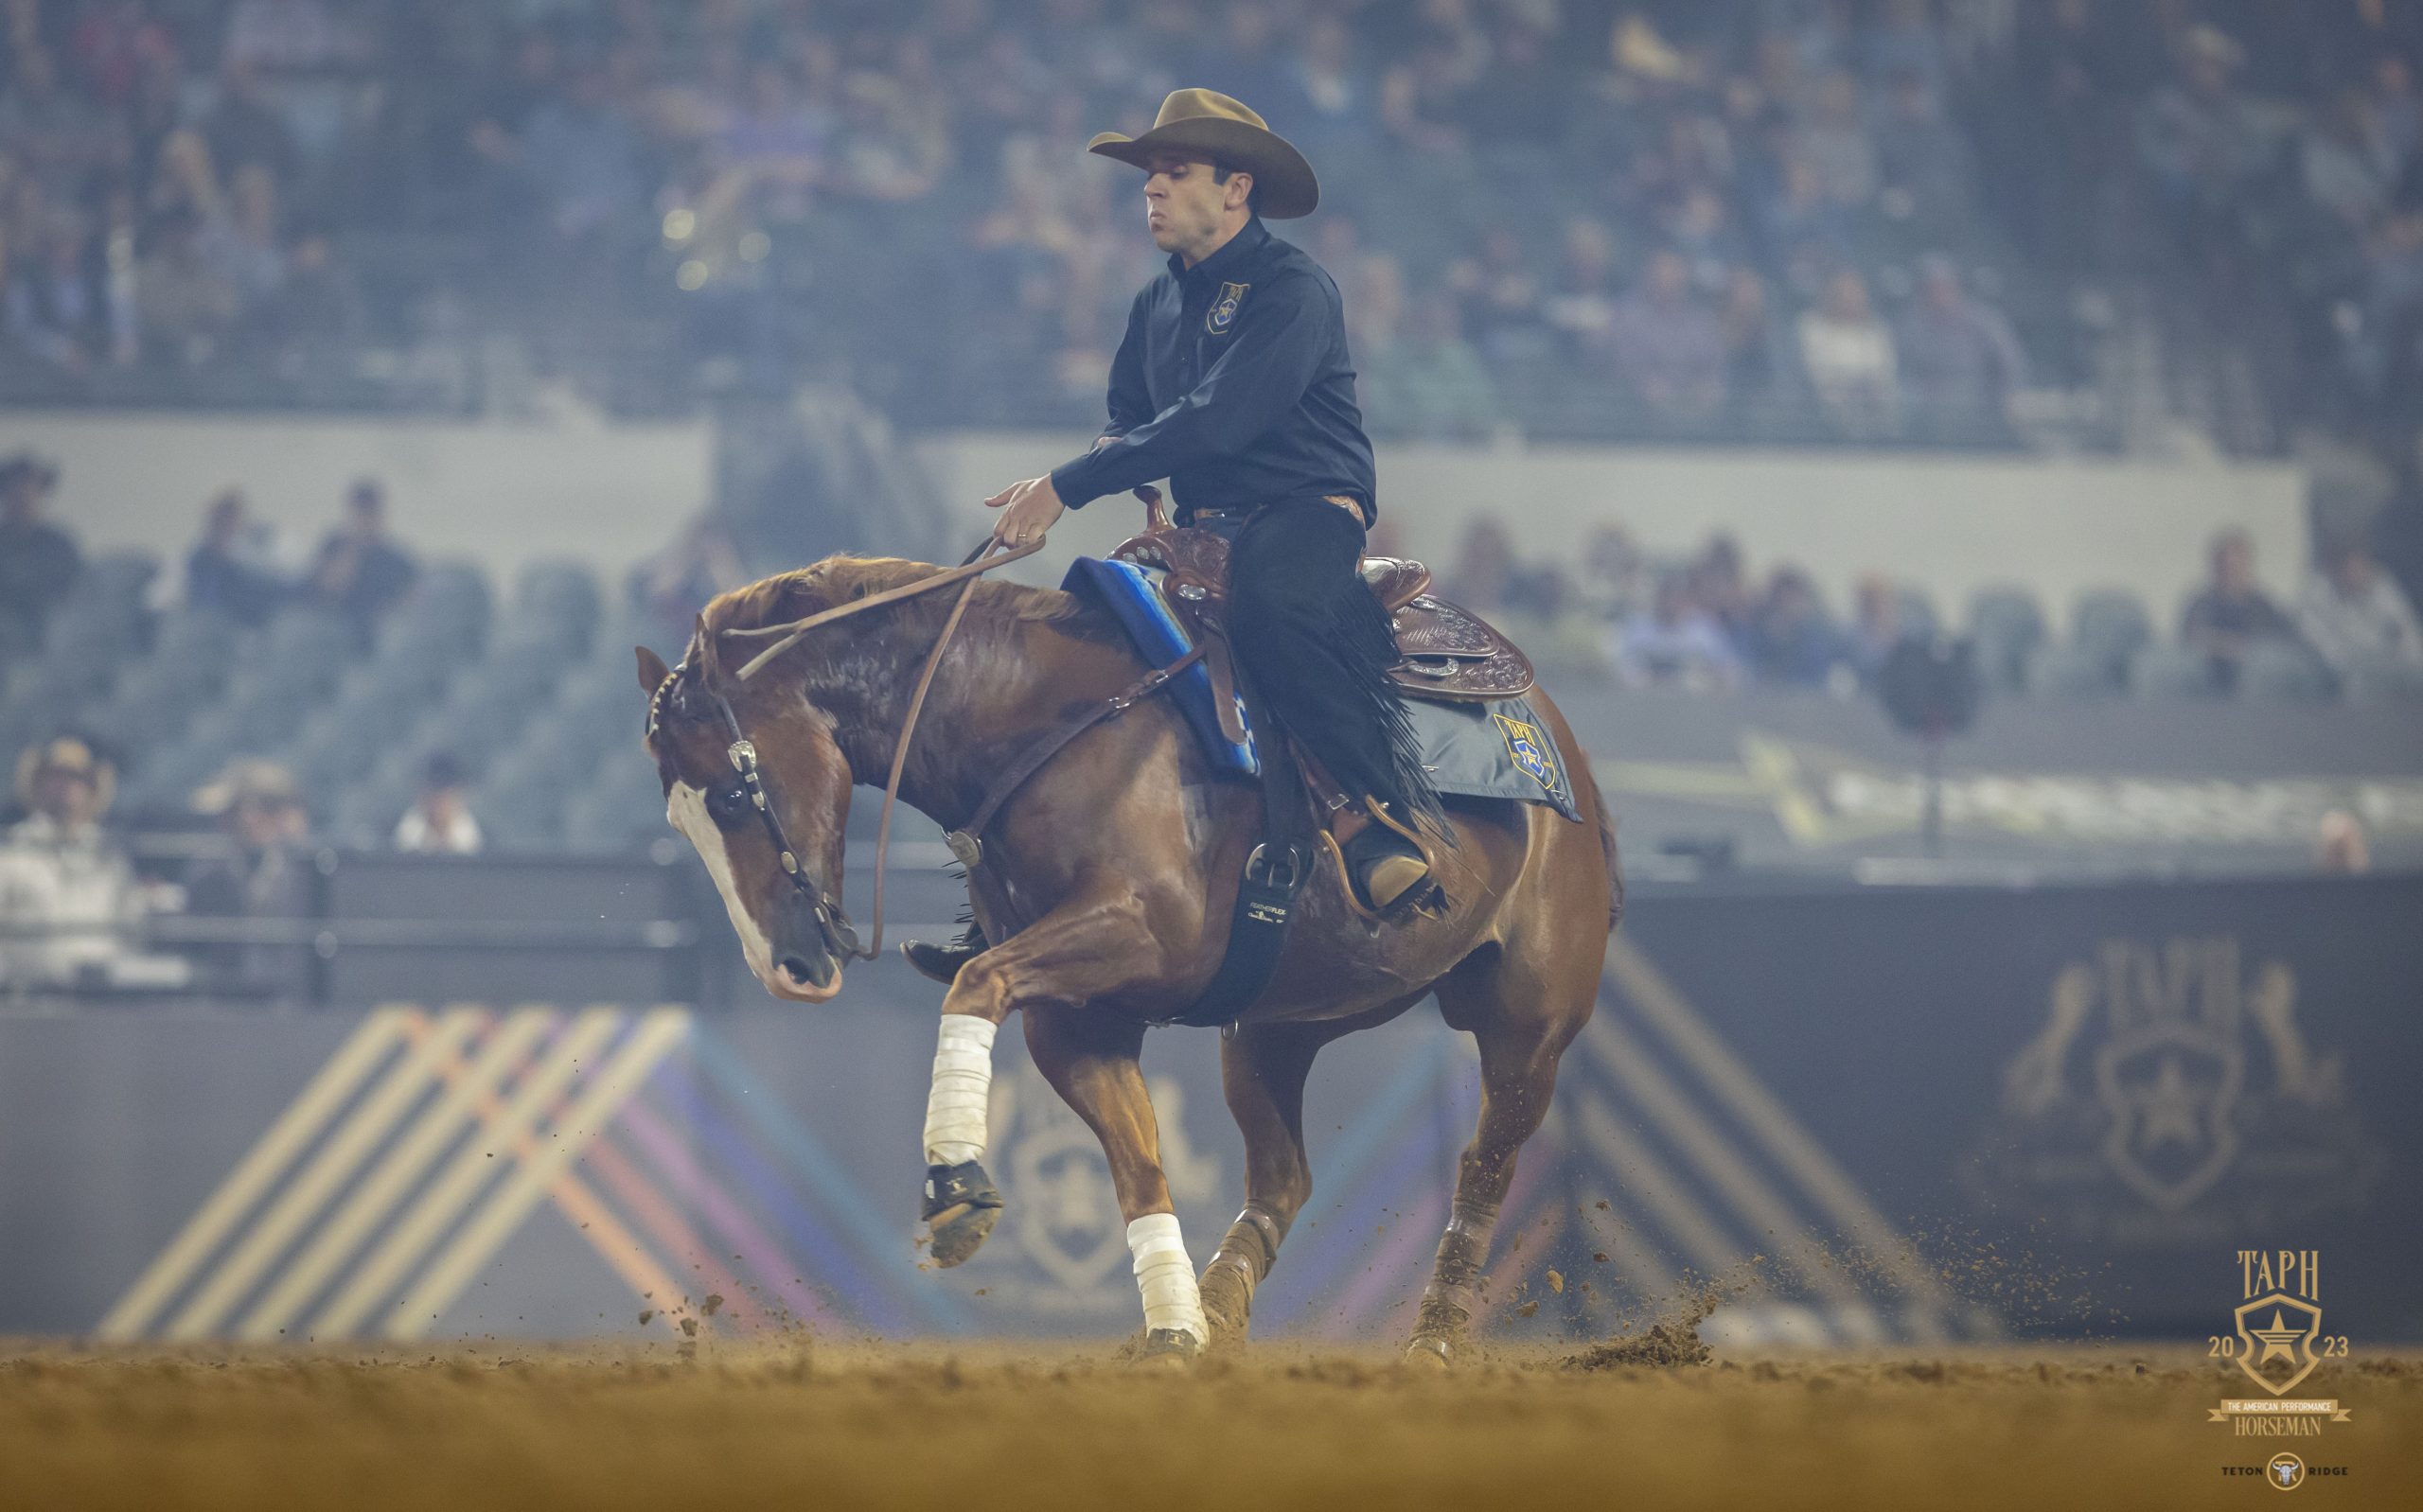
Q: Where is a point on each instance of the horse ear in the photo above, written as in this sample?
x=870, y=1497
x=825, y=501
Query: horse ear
x=652, y=671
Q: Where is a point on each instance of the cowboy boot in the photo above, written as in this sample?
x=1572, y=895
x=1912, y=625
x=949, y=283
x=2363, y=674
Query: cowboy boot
x=1381, y=854
x=942, y=962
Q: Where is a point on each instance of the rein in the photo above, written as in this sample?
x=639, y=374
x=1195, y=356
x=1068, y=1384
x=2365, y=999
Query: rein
x=838, y=936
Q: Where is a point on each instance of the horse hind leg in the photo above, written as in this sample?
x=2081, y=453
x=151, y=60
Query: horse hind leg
x=1262, y=1067
x=1522, y=1028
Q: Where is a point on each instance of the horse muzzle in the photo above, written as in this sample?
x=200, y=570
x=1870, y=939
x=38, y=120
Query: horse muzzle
x=816, y=939
x=810, y=977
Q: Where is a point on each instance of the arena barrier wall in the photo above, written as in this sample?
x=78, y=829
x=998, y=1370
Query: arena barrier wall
x=604, y=494
x=1875, y=1114
x=1955, y=522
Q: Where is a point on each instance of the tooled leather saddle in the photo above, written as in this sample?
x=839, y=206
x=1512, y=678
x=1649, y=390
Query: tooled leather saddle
x=1444, y=651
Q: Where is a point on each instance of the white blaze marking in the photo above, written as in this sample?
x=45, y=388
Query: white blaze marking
x=685, y=808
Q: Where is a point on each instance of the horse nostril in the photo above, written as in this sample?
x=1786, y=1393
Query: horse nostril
x=816, y=972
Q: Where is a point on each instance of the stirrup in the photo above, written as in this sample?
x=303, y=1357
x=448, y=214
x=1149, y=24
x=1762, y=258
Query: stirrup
x=1386, y=865
x=943, y=962
x=1383, y=865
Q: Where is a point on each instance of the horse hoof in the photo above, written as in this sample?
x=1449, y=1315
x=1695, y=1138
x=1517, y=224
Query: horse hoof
x=1228, y=1304
x=961, y=1208
x=1168, y=1349
x=1431, y=1355
x=959, y=1232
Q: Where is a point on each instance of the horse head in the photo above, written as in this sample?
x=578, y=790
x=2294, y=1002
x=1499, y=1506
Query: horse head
x=756, y=780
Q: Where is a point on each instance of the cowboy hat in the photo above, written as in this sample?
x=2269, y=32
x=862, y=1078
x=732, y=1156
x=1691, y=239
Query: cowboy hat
x=70, y=757
x=2211, y=43
x=261, y=783
x=24, y=465
x=1200, y=123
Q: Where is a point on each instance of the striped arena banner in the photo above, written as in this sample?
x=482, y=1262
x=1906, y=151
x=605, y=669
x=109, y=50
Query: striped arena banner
x=400, y=1168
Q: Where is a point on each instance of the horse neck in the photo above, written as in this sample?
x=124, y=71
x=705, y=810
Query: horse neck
x=975, y=714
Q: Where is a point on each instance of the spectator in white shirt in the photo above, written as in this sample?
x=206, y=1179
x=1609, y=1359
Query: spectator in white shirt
x=60, y=878
x=440, y=823
x=2352, y=612
x=1850, y=360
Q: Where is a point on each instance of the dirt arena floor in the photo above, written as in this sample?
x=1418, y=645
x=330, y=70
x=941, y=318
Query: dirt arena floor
x=796, y=1424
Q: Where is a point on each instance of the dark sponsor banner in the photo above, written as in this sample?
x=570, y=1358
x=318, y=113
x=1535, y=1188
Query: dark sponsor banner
x=2122, y=1083
x=1925, y=1114
x=2108, y=785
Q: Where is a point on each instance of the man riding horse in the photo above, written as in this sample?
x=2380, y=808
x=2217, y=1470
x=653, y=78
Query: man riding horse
x=1233, y=381
x=1108, y=855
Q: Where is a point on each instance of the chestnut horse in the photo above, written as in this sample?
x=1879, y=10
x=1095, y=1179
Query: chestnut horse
x=1124, y=852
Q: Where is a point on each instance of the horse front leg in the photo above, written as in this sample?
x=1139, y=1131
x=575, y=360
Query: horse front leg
x=1089, y=1057
x=1080, y=950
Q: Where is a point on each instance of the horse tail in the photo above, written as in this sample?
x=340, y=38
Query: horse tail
x=1615, y=865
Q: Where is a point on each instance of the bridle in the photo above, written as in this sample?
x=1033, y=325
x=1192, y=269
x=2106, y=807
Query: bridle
x=840, y=938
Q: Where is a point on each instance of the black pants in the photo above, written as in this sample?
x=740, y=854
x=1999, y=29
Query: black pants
x=1317, y=647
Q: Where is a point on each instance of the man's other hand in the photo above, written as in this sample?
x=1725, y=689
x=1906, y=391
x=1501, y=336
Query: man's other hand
x=1027, y=509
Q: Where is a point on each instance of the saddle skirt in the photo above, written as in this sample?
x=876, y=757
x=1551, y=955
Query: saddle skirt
x=1168, y=590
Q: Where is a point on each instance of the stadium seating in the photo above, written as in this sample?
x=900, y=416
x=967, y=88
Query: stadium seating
x=2007, y=623
x=532, y=695
x=2108, y=628
x=2285, y=671
x=2171, y=670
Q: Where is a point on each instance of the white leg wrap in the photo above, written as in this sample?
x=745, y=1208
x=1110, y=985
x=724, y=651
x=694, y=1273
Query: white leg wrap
x=962, y=1089
x=1166, y=1277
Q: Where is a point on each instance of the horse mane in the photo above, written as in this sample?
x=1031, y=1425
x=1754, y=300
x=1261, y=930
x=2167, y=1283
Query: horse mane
x=805, y=591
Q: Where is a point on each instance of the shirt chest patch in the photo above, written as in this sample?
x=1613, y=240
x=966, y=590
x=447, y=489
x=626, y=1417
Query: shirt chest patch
x=1222, y=313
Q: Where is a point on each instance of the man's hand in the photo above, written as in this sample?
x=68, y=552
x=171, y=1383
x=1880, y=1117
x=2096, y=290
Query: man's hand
x=1027, y=509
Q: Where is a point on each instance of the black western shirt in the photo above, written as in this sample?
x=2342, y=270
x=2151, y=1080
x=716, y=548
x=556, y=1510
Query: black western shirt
x=1233, y=383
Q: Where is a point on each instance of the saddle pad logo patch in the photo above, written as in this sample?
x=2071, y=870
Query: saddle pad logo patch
x=1223, y=312
x=1529, y=747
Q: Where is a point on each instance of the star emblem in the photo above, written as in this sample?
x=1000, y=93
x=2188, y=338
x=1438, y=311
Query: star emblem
x=2171, y=1106
x=2278, y=1340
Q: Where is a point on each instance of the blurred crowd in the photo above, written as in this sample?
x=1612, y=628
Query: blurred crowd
x=64, y=879
x=235, y=568
x=1876, y=222
x=362, y=659
x=1670, y=218
x=1706, y=622
x=1803, y=219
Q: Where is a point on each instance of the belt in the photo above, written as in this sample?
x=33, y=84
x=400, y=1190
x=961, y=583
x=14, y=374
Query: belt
x=1341, y=500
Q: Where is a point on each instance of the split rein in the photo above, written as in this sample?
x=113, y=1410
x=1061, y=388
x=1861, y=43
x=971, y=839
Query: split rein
x=840, y=938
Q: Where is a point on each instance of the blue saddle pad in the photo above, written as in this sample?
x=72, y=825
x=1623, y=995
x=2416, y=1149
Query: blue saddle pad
x=1494, y=750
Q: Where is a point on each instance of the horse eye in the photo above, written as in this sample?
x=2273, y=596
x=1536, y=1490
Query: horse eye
x=729, y=805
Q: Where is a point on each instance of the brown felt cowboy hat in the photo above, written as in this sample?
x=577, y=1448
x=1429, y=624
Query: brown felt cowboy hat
x=67, y=756
x=1200, y=123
